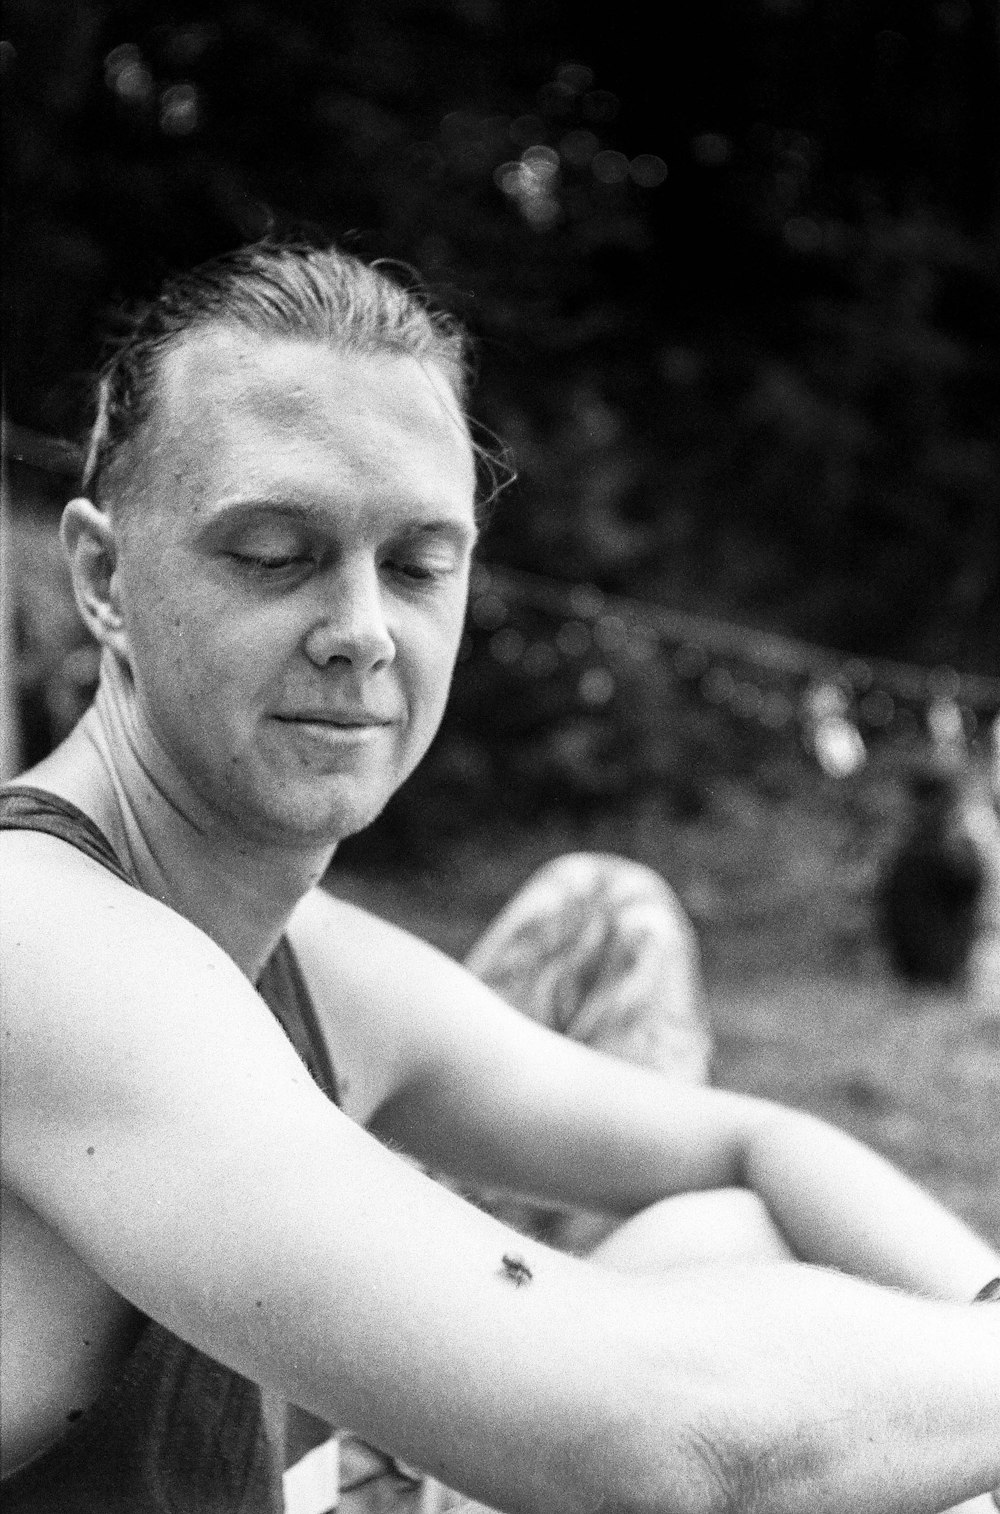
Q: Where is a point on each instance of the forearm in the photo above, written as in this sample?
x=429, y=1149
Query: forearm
x=618, y=1139
x=841, y=1205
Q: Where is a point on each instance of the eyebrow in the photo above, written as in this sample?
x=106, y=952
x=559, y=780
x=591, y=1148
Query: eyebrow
x=239, y=512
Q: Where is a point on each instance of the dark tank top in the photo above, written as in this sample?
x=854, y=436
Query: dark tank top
x=175, y=1432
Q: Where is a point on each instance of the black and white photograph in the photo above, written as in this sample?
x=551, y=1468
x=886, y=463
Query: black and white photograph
x=500, y=757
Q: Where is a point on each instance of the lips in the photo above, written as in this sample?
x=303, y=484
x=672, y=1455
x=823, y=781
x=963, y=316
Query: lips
x=347, y=720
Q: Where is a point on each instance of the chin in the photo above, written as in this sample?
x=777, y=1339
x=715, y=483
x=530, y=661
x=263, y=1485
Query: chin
x=311, y=819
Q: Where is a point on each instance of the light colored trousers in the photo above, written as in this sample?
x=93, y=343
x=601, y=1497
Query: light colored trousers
x=597, y=948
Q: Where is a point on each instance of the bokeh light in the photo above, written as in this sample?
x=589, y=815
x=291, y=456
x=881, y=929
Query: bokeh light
x=610, y=167
x=542, y=161
x=597, y=686
x=531, y=183
x=575, y=76
x=647, y=170
x=127, y=74
x=179, y=112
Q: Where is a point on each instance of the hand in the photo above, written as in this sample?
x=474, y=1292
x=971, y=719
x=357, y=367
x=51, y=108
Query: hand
x=990, y=1295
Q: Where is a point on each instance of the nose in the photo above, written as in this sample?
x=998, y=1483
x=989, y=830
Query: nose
x=352, y=627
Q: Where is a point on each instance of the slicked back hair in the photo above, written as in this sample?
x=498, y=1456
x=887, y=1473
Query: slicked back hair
x=276, y=289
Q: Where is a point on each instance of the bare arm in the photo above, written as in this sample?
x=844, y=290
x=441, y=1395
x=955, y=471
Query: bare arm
x=157, y=1119
x=477, y=1089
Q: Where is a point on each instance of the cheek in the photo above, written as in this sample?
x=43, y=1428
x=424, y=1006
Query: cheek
x=196, y=660
x=158, y=615
x=430, y=662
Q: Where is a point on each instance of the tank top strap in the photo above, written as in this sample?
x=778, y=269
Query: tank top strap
x=23, y=808
x=285, y=992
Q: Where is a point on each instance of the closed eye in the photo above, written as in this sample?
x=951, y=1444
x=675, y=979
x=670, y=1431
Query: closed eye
x=419, y=572
x=264, y=564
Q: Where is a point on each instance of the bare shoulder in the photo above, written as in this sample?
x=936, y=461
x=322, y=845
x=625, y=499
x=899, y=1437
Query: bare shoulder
x=67, y=923
x=112, y=1001
x=51, y=893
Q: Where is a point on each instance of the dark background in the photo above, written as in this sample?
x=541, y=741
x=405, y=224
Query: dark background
x=766, y=386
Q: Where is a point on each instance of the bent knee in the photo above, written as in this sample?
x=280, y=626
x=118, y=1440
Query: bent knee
x=615, y=876
x=634, y=900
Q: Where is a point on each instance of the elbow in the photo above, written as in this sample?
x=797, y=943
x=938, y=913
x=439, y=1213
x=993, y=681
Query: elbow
x=725, y=1465
x=720, y=1464
x=723, y=1477
x=764, y=1468
x=703, y=1472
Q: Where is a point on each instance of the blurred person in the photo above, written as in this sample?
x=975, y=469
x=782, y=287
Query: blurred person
x=216, y=1074
x=939, y=893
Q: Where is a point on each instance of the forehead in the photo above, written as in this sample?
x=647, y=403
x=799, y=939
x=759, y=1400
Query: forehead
x=238, y=413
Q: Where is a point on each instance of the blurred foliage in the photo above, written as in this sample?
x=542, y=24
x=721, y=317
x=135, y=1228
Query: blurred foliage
x=733, y=277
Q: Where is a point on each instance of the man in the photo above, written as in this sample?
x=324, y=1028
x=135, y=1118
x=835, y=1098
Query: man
x=274, y=557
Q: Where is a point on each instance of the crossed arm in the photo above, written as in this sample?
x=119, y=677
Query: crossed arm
x=486, y=1095
x=157, y=1120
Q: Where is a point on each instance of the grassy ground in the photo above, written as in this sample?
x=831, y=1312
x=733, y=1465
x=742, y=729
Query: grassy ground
x=803, y=1007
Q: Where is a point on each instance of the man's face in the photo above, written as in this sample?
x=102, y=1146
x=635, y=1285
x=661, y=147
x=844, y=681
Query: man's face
x=293, y=576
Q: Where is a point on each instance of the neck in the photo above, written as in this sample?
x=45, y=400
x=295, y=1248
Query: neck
x=237, y=888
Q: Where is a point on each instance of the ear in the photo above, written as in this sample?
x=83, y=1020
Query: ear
x=91, y=546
